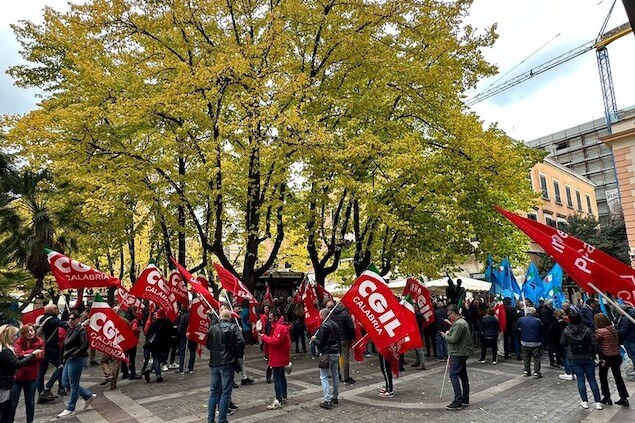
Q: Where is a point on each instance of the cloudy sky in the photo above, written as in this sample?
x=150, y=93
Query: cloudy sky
x=558, y=99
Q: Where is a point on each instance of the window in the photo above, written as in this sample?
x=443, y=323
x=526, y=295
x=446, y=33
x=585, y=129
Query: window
x=578, y=200
x=556, y=192
x=550, y=222
x=532, y=216
x=588, y=204
x=569, y=199
x=543, y=187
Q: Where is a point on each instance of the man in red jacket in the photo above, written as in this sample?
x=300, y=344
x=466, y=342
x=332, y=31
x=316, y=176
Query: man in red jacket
x=279, y=346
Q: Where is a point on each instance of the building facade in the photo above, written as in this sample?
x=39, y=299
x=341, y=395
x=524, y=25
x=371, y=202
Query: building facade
x=564, y=193
x=581, y=150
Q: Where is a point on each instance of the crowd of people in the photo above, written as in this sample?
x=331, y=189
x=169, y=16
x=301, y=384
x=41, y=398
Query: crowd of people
x=576, y=338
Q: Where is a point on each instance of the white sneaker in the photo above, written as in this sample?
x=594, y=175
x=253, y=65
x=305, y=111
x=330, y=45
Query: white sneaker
x=565, y=377
x=482, y=361
x=66, y=413
x=584, y=404
x=89, y=401
x=275, y=404
x=164, y=368
x=173, y=366
x=599, y=406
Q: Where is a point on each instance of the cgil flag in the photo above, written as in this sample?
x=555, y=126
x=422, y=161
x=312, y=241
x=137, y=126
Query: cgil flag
x=232, y=284
x=69, y=273
x=150, y=285
x=583, y=262
x=108, y=332
x=177, y=287
x=371, y=302
x=196, y=285
x=199, y=323
x=533, y=287
x=421, y=295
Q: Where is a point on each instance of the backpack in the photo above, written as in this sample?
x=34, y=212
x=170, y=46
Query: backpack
x=580, y=344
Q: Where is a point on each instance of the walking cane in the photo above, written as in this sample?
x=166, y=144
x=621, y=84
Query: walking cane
x=447, y=365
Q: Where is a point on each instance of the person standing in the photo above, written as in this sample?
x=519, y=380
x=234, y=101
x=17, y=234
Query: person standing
x=49, y=325
x=587, y=312
x=547, y=317
x=186, y=344
x=26, y=377
x=9, y=363
x=581, y=345
x=610, y=358
x=129, y=369
x=327, y=342
x=441, y=325
x=344, y=321
x=279, y=356
x=459, y=341
x=225, y=343
x=75, y=356
x=626, y=333
x=489, y=334
x=160, y=333
x=531, y=337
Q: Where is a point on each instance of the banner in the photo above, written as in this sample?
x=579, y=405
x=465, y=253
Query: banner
x=413, y=339
x=553, y=286
x=311, y=313
x=199, y=323
x=108, y=332
x=125, y=299
x=533, y=287
x=69, y=273
x=375, y=306
x=30, y=314
x=232, y=284
x=501, y=315
x=268, y=298
x=177, y=287
x=422, y=298
x=583, y=262
x=196, y=285
x=323, y=294
x=151, y=286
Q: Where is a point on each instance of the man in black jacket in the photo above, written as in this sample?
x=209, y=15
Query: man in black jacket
x=49, y=325
x=226, y=343
x=328, y=342
x=344, y=321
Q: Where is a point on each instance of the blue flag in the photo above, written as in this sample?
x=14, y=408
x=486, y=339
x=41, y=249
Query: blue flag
x=491, y=275
x=508, y=281
x=553, y=286
x=603, y=306
x=533, y=287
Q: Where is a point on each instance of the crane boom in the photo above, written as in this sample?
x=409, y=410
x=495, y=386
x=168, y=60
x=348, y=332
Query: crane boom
x=599, y=43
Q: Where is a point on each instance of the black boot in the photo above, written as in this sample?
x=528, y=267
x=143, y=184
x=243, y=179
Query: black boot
x=268, y=374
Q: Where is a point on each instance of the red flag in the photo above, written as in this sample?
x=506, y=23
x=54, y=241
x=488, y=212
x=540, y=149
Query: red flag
x=268, y=298
x=70, y=273
x=501, y=314
x=375, y=306
x=80, y=299
x=413, y=339
x=583, y=262
x=108, y=332
x=29, y=317
x=299, y=295
x=323, y=293
x=421, y=295
x=203, y=281
x=151, y=286
x=177, y=287
x=196, y=285
x=359, y=347
x=198, y=325
x=125, y=300
x=311, y=313
x=232, y=284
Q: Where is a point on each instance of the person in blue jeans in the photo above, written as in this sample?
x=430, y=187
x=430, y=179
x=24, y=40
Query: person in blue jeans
x=626, y=333
x=75, y=356
x=460, y=346
x=225, y=343
x=441, y=325
x=327, y=342
x=581, y=345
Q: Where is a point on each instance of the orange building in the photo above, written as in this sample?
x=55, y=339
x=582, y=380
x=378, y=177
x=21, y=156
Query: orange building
x=564, y=193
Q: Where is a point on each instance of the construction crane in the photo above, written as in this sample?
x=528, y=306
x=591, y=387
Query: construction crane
x=599, y=45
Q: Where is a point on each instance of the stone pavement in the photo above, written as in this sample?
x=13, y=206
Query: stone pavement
x=497, y=392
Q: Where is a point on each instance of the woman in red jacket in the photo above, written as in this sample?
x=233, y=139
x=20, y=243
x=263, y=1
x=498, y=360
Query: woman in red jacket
x=610, y=358
x=26, y=377
x=279, y=350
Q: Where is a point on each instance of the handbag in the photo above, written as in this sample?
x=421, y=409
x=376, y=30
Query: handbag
x=323, y=361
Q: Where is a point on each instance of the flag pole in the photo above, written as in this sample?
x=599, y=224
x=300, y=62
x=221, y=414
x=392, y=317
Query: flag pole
x=613, y=303
x=325, y=319
x=522, y=294
x=445, y=375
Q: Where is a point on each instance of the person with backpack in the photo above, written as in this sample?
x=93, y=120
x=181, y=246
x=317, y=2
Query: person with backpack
x=225, y=343
x=580, y=344
x=610, y=358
